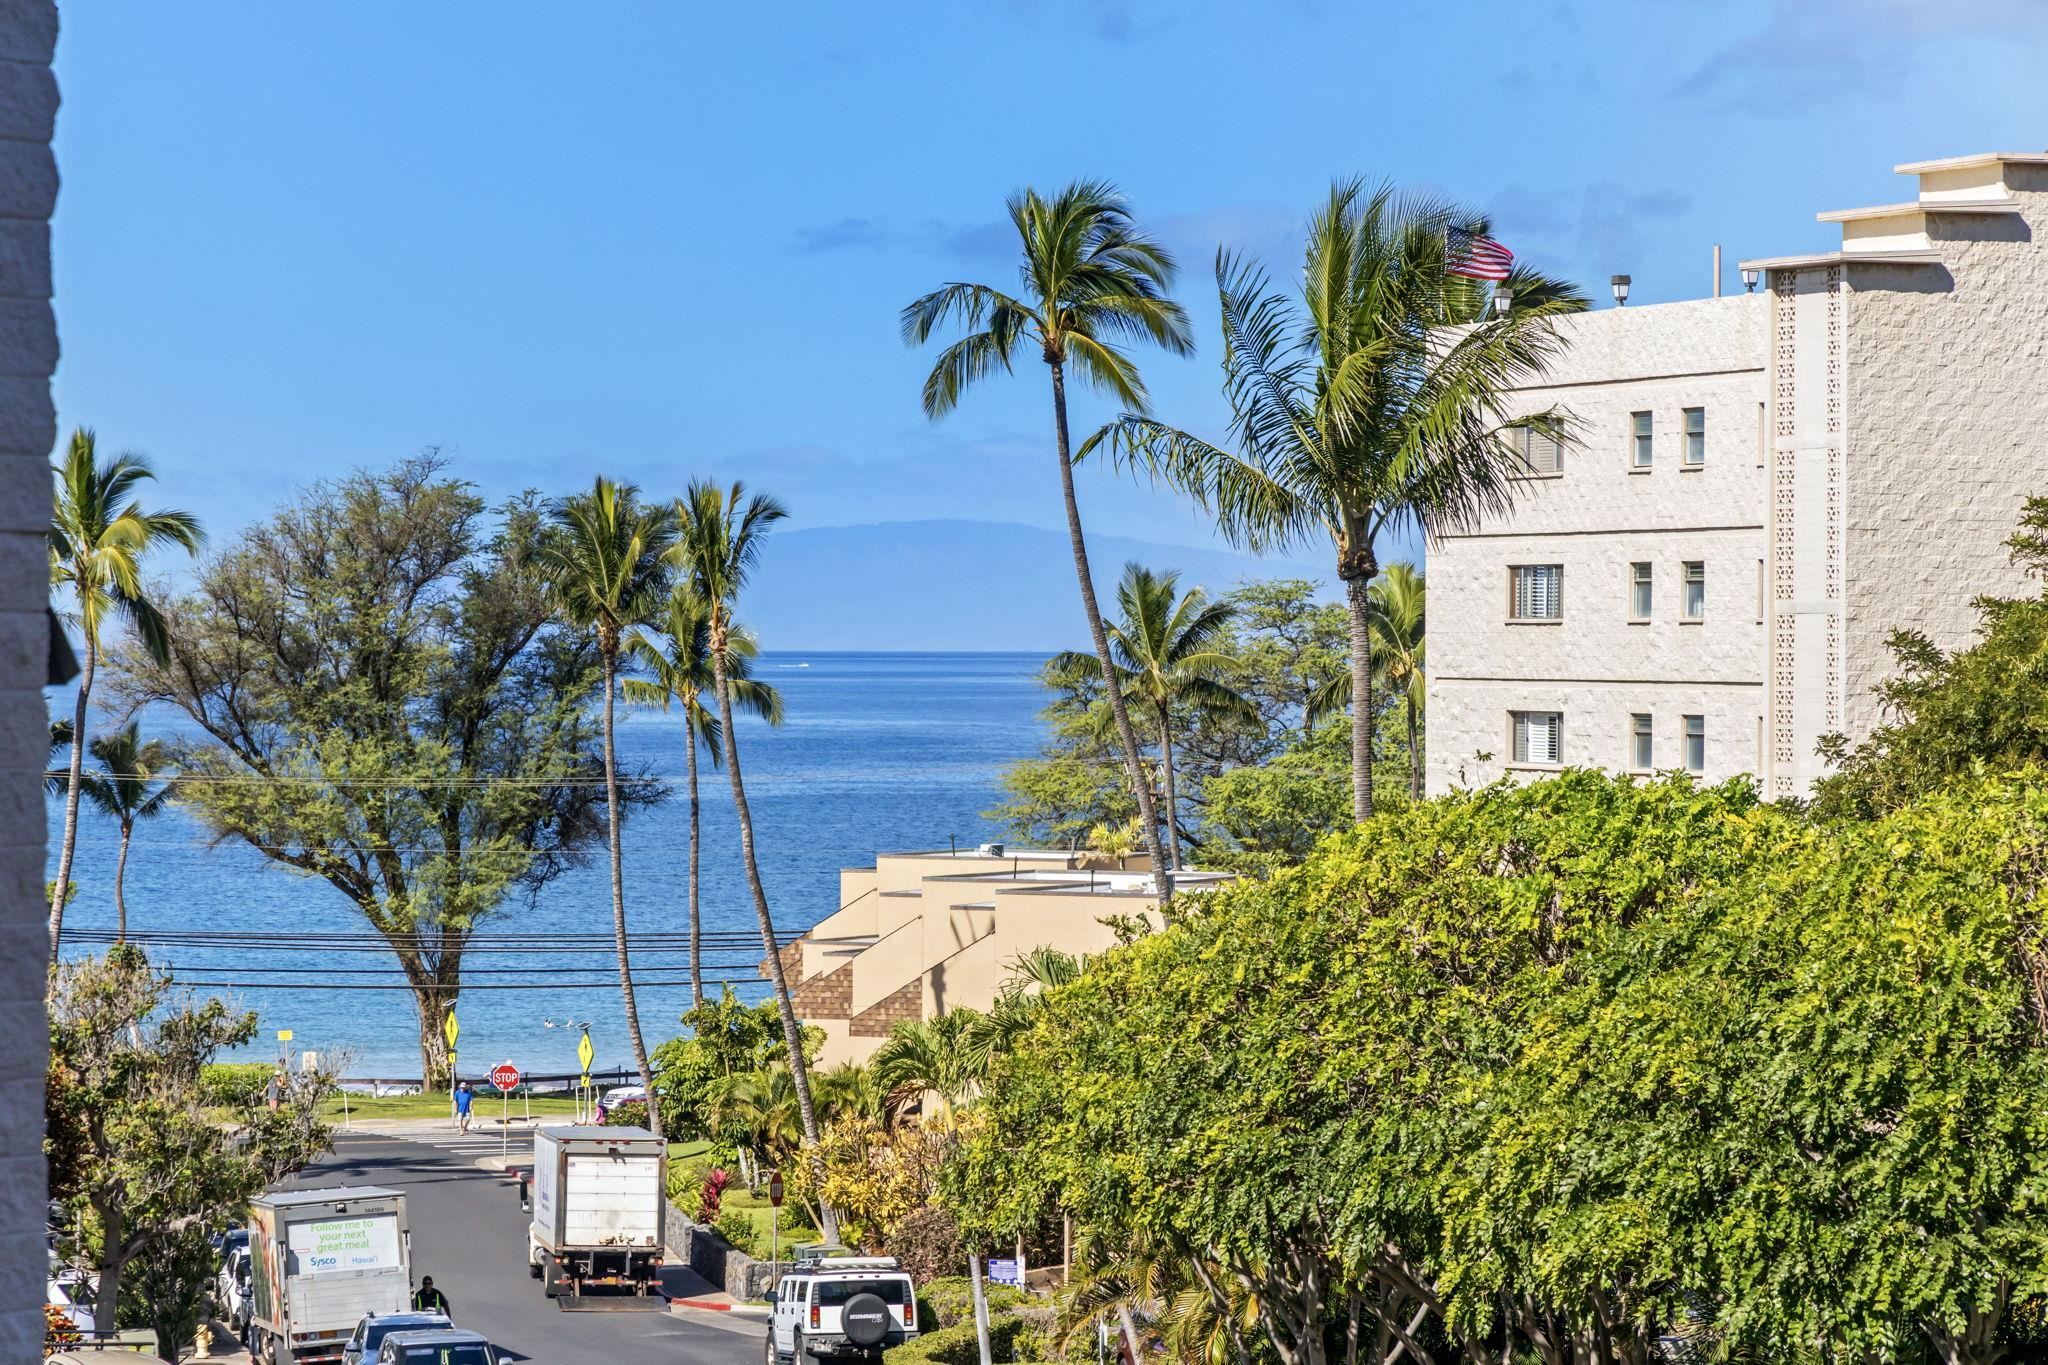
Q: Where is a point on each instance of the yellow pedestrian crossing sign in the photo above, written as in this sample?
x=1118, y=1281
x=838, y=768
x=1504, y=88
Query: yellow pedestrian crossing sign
x=450, y=1029
x=583, y=1051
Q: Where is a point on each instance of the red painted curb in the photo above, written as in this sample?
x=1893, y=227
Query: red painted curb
x=702, y=1303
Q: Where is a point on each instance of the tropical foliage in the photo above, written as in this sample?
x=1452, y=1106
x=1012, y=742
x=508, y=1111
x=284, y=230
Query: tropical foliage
x=1092, y=284
x=1377, y=402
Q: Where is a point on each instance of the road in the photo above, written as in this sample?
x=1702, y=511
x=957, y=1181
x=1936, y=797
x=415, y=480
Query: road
x=468, y=1233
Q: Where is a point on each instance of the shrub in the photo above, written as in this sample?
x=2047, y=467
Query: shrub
x=233, y=1085
x=711, y=1195
x=926, y=1242
x=737, y=1228
x=631, y=1114
x=1010, y=1340
x=949, y=1301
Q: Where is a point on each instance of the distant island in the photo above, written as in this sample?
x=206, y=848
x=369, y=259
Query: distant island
x=959, y=584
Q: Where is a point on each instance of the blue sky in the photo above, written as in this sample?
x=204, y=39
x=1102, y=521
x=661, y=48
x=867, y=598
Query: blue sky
x=657, y=240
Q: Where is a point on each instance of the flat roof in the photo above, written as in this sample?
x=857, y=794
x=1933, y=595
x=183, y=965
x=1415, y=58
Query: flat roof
x=1956, y=163
x=1844, y=258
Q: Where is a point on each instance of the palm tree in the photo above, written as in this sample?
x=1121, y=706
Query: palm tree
x=1398, y=602
x=937, y=1057
x=1091, y=280
x=604, y=561
x=98, y=536
x=126, y=788
x=722, y=532
x=1169, y=653
x=1379, y=402
x=679, y=659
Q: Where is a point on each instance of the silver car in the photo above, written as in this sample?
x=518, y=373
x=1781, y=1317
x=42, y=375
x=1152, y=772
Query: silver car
x=449, y=1346
x=371, y=1331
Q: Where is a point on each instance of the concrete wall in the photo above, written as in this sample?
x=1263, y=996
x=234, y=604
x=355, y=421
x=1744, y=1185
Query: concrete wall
x=1947, y=374
x=28, y=433
x=1601, y=514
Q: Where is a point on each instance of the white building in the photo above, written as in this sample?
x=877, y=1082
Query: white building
x=1762, y=487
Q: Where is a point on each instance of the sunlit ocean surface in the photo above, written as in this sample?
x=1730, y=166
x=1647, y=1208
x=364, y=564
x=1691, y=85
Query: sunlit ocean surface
x=878, y=752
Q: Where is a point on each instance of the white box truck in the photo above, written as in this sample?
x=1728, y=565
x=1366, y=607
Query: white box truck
x=322, y=1260
x=600, y=1200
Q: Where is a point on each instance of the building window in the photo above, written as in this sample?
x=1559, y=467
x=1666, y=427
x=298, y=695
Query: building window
x=1641, y=749
x=1695, y=437
x=1695, y=744
x=1639, y=592
x=1539, y=736
x=1641, y=439
x=1541, y=451
x=1536, y=592
x=1694, y=602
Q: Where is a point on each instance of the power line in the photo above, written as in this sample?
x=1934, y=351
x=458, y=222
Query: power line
x=322, y=986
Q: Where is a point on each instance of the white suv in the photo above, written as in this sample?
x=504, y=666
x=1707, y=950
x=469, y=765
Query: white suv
x=841, y=1308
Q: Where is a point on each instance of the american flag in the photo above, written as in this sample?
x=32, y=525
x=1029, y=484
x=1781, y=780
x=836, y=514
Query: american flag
x=1476, y=257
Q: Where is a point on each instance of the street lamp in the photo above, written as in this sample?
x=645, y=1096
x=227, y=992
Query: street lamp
x=1749, y=274
x=1620, y=283
x=1503, y=299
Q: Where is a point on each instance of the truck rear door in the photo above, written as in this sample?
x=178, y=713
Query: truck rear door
x=613, y=1201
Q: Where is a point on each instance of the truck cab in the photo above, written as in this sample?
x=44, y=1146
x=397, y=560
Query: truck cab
x=841, y=1308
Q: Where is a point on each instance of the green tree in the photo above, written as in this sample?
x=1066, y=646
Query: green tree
x=931, y=1058
x=128, y=1135
x=679, y=662
x=723, y=530
x=386, y=702
x=1379, y=402
x=1396, y=601
x=1291, y=646
x=99, y=534
x=1169, y=651
x=1077, y=782
x=605, y=558
x=1091, y=281
x=1948, y=715
x=727, y=1037
x=1265, y=816
x=127, y=790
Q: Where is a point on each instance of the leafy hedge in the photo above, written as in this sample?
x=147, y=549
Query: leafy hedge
x=1010, y=1339
x=949, y=1301
x=231, y=1085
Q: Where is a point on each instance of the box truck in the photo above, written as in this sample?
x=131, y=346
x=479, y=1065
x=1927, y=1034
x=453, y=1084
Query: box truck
x=599, y=1198
x=322, y=1260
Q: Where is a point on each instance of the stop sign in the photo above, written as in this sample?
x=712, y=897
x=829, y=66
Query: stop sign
x=505, y=1076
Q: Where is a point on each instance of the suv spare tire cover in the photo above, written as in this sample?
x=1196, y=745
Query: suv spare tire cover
x=865, y=1320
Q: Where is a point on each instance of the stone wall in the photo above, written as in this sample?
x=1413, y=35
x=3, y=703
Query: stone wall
x=719, y=1261
x=28, y=433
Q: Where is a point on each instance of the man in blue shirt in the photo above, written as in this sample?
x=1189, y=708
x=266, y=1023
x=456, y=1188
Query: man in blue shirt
x=462, y=1102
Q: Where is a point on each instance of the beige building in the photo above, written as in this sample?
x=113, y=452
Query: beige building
x=1760, y=489
x=919, y=934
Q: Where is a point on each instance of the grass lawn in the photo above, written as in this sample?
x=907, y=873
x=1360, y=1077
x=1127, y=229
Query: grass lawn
x=484, y=1112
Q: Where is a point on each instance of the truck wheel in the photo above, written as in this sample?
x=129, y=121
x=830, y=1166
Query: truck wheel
x=534, y=1266
x=279, y=1354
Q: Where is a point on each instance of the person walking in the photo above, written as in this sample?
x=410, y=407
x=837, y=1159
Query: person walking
x=463, y=1100
x=427, y=1299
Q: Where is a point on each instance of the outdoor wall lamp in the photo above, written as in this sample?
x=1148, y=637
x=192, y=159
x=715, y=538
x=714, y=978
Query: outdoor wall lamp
x=1749, y=274
x=1503, y=299
x=1620, y=283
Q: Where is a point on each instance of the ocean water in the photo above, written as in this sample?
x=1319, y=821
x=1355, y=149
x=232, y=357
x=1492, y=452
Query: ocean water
x=878, y=752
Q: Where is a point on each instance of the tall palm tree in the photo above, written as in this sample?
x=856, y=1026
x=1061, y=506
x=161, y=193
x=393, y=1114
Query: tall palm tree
x=604, y=557
x=1169, y=652
x=127, y=788
x=679, y=660
x=722, y=533
x=99, y=534
x=1091, y=280
x=1398, y=602
x=1377, y=402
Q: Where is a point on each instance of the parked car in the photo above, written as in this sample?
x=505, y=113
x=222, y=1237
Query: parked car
x=624, y=1094
x=449, y=1346
x=368, y=1338
x=231, y=1287
x=841, y=1308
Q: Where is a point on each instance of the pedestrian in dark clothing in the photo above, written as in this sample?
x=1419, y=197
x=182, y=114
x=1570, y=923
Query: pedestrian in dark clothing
x=428, y=1299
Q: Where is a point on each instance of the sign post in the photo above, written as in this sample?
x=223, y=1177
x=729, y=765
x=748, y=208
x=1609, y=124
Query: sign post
x=584, y=1054
x=506, y=1077
x=451, y=1031
x=774, y=1217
